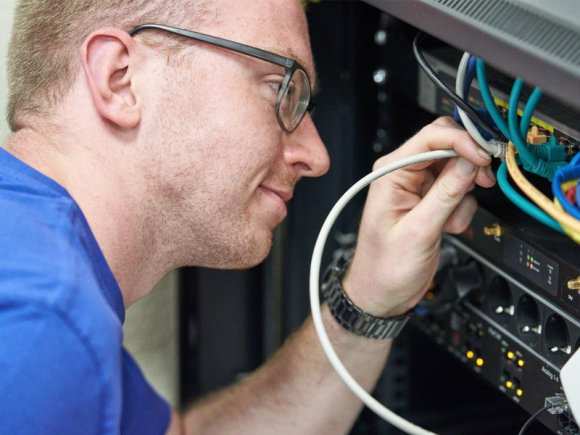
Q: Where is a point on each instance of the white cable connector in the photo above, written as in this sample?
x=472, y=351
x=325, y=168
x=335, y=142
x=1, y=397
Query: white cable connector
x=493, y=147
x=569, y=377
x=354, y=386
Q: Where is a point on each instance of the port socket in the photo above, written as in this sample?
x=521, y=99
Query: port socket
x=557, y=339
x=563, y=420
x=500, y=300
x=568, y=424
x=528, y=320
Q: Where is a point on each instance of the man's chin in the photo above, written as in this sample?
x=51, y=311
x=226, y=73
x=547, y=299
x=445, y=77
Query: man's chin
x=254, y=258
x=246, y=258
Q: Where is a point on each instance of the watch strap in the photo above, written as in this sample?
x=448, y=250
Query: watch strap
x=351, y=317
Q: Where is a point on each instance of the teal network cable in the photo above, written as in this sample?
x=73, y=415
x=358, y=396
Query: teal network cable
x=529, y=111
x=531, y=162
x=522, y=203
x=488, y=99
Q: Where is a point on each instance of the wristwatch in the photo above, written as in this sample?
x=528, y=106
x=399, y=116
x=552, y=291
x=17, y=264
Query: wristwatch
x=351, y=317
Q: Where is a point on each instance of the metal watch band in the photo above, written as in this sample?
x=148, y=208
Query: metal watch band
x=351, y=317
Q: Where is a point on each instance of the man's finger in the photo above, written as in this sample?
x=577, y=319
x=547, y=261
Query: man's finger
x=447, y=192
x=461, y=216
x=438, y=137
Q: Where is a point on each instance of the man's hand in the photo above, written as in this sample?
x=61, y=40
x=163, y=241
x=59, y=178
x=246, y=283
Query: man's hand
x=398, y=244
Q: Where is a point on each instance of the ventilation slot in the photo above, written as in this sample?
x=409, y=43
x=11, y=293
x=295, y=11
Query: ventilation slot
x=542, y=32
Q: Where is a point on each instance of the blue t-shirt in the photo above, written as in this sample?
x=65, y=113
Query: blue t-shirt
x=63, y=369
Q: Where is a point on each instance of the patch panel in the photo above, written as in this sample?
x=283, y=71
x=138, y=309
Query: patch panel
x=510, y=329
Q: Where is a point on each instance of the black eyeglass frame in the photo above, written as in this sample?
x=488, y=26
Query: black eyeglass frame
x=290, y=65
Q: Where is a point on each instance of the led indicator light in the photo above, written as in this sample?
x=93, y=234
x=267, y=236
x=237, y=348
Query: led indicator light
x=519, y=392
x=479, y=362
x=470, y=354
x=509, y=384
x=521, y=363
x=510, y=354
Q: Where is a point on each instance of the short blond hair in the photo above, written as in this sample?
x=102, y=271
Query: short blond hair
x=43, y=60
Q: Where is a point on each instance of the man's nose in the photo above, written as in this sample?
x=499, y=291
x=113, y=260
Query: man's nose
x=305, y=151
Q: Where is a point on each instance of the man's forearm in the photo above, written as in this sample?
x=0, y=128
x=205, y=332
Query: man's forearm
x=297, y=391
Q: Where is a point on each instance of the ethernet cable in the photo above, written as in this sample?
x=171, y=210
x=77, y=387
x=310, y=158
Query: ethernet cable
x=532, y=418
x=541, y=159
x=458, y=101
x=536, y=196
x=517, y=132
x=562, y=175
x=488, y=99
x=493, y=147
x=574, y=236
x=518, y=200
x=469, y=77
x=529, y=110
x=340, y=369
x=522, y=203
x=530, y=161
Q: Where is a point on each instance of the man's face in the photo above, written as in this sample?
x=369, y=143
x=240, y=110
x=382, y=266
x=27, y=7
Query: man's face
x=223, y=168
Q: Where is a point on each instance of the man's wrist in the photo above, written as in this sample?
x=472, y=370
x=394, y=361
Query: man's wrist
x=348, y=314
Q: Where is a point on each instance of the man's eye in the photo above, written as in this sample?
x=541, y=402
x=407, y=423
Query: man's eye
x=291, y=90
x=276, y=86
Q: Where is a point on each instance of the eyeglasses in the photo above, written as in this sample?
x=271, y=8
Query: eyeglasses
x=294, y=95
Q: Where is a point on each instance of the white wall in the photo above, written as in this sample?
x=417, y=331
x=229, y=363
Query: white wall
x=151, y=324
x=6, y=8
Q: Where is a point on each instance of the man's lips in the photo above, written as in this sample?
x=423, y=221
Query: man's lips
x=285, y=195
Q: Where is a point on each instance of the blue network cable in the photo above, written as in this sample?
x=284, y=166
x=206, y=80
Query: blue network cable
x=576, y=161
x=482, y=112
x=564, y=174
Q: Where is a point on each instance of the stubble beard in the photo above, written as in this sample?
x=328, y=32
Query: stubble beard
x=219, y=240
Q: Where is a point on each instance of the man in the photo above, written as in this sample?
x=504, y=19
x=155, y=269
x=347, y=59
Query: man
x=183, y=152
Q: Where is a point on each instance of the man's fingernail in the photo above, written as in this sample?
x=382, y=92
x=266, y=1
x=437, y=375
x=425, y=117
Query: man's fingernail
x=464, y=167
x=483, y=154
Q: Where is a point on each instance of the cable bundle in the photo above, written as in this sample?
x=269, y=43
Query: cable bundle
x=547, y=160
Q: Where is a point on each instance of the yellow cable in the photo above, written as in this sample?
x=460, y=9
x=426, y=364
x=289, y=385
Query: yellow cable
x=563, y=218
x=574, y=236
x=565, y=186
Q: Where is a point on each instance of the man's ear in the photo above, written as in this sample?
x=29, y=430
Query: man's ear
x=108, y=56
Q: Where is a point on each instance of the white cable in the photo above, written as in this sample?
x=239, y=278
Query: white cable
x=360, y=392
x=494, y=148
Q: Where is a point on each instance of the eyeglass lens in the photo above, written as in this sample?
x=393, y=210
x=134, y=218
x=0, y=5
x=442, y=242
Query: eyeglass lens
x=294, y=102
